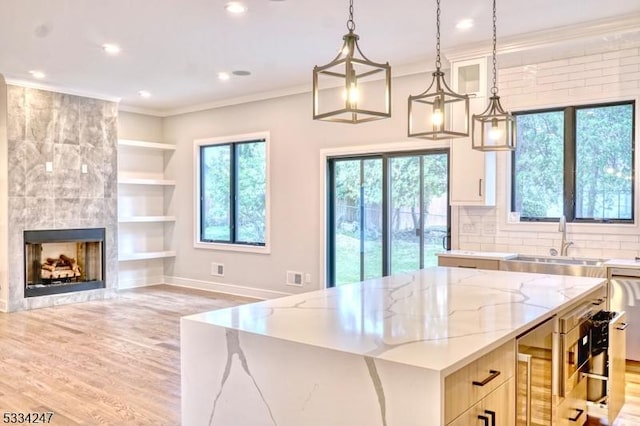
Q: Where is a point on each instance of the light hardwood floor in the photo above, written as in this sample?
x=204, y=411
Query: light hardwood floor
x=117, y=362
x=114, y=362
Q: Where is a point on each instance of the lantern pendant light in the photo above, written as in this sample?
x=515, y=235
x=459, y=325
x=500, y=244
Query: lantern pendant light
x=494, y=129
x=339, y=94
x=438, y=112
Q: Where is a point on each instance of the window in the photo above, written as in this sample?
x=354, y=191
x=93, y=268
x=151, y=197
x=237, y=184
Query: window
x=232, y=192
x=387, y=213
x=576, y=161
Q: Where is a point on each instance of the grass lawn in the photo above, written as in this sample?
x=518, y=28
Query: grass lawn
x=404, y=257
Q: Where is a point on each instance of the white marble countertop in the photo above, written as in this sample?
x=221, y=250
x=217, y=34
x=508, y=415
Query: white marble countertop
x=622, y=263
x=489, y=255
x=437, y=318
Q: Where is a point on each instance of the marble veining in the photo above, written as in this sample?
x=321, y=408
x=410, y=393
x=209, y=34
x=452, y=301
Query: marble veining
x=377, y=384
x=234, y=348
x=434, y=318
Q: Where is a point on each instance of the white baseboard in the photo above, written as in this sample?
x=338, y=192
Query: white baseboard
x=140, y=282
x=3, y=305
x=236, y=290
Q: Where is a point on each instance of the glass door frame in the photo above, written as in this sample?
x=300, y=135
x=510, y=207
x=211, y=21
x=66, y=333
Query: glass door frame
x=329, y=225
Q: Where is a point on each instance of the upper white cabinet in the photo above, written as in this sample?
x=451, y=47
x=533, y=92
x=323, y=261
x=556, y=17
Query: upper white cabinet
x=473, y=173
x=142, y=193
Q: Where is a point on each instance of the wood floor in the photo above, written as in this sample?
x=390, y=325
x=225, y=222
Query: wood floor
x=117, y=362
x=114, y=362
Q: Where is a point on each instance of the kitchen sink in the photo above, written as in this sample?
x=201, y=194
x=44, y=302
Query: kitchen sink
x=562, y=260
x=556, y=265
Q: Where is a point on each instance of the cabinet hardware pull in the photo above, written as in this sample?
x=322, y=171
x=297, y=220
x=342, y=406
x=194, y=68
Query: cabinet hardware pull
x=598, y=301
x=575, y=419
x=467, y=266
x=484, y=419
x=579, y=413
x=492, y=375
x=491, y=414
x=480, y=187
x=623, y=326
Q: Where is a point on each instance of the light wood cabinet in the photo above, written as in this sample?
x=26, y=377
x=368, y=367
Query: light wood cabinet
x=617, y=365
x=473, y=382
x=467, y=262
x=606, y=379
x=572, y=411
x=496, y=409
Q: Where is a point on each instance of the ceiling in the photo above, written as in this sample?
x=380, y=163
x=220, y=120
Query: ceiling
x=175, y=48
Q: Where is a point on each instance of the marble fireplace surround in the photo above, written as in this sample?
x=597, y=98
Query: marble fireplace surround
x=66, y=131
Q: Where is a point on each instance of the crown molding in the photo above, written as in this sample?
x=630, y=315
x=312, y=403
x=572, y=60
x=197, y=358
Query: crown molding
x=537, y=39
x=59, y=89
x=141, y=110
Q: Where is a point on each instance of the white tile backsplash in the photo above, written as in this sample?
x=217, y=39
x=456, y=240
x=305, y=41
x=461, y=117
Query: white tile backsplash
x=589, y=78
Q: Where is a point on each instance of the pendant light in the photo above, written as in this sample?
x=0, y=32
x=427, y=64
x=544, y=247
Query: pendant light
x=438, y=112
x=339, y=94
x=494, y=129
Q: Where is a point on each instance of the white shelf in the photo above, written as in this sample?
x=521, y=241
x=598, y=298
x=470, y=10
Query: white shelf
x=146, y=255
x=138, y=219
x=146, y=181
x=145, y=144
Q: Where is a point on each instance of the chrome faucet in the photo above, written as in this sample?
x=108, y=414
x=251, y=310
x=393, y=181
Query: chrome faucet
x=562, y=227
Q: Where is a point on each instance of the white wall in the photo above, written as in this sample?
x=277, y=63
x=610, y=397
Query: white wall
x=4, y=202
x=586, y=77
x=296, y=142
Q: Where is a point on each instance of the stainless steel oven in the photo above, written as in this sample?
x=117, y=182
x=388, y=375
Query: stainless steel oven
x=575, y=343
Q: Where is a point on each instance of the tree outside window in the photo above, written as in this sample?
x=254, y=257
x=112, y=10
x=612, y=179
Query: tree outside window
x=576, y=161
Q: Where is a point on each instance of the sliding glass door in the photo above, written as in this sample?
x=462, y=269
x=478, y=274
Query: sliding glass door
x=387, y=214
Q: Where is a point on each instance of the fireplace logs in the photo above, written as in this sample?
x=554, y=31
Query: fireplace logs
x=63, y=267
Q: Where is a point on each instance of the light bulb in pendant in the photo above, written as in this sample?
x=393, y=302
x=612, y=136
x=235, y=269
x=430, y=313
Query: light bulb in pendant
x=437, y=116
x=351, y=95
x=494, y=132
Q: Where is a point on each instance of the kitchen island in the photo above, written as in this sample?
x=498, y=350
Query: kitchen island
x=380, y=352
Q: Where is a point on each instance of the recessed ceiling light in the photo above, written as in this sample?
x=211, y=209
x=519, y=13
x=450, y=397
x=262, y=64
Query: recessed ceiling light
x=464, y=24
x=235, y=7
x=223, y=76
x=241, y=73
x=37, y=74
x=111, y=49
x=144, y=94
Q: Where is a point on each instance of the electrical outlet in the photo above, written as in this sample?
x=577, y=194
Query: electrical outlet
x=48, y=166
x=307, y=278
x=217, y=269
x=294, y=278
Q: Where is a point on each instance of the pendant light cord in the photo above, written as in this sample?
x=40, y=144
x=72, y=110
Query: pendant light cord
x=438, y=63
x=494, y=88
x=351, y=25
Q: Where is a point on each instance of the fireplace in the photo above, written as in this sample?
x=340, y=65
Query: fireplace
x=63, y=261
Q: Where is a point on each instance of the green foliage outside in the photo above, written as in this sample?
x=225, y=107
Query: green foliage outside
x=250, y=207
x=360, y=206
x=603, y=171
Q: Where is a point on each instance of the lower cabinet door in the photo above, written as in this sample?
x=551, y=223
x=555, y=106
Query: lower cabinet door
x=496, y=409
x=617, y=364
x=573, y=410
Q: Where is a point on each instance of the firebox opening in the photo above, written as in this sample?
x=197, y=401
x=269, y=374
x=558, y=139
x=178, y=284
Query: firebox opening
x=62, y=261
